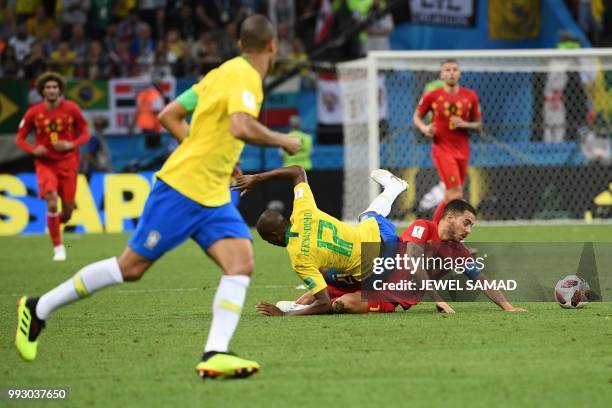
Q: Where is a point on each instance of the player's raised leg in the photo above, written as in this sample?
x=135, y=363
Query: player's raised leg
x=392, y=187
x=33, y=312
x=235, y=257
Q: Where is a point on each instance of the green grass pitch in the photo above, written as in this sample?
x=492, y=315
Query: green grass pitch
x=138, y=344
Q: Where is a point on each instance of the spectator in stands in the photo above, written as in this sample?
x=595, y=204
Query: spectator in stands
x=110, y=43
x=211, y=59
x=228, y=43
x=122, y=8
x=127, y=29
x=39, y=25
x=175, y=46
x=25, y=10
x=282, y=11
x=96, y=62
x=53, y=40
x=148, y=11
x=100, y=18
x=36, y=63
x=63, y=60
x=203, y=21
x=200, y=48
x=248, y=7
x=7, y=25
x=10, y=67
x=162, y=68
x=284, y=41
x=187, y=27
x=73, y=12
x=378, y=32
x=143, y=47
x=298, y=57
x=123, y=62
x=21, y=42
x=97, y=154
x=590, y=18
x=78, y=42
x=149, y=102
x=221, y=12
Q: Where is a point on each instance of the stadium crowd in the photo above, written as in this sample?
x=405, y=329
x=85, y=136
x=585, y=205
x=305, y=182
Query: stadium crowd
x=101, y=39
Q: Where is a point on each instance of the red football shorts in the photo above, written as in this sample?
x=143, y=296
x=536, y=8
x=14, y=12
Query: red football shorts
x=61, y=178
x=452, y=171
x=373, y=307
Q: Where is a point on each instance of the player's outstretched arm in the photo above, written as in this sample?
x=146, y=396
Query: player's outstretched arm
x=246, y=128
x=415, y=250
x=321, y=305
x=296, y=174
x=173, y=118
x=497, y=297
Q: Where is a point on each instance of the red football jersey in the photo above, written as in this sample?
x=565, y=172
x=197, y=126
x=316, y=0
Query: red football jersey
x=50, y=125
x=449, y=140
x=424, y=231
x=421, y=231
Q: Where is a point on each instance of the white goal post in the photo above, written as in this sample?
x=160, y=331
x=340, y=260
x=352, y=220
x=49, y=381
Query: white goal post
x=544, y=152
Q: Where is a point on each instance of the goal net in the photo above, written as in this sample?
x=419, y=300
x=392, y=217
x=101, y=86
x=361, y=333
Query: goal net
x=544, y=152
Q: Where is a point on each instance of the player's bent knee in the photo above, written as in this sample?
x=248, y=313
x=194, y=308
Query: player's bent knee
x=245, y=267
x=132, y=265
x=52, y=208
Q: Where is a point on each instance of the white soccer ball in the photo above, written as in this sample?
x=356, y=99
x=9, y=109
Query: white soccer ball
x=572, y=292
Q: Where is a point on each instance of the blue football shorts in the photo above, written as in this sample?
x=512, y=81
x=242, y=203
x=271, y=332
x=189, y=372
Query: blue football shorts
x=386, y=227
x=169, y=218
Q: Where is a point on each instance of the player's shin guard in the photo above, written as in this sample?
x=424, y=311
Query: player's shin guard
x=227, y=307
x=53, y=224
x=88, y=280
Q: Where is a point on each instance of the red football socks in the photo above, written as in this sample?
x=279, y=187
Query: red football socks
x=53, y=223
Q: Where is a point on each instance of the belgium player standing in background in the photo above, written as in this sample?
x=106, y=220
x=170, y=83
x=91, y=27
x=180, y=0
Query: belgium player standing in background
x=60, y=129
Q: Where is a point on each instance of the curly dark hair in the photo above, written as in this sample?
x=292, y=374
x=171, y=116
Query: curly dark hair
x=50, y=76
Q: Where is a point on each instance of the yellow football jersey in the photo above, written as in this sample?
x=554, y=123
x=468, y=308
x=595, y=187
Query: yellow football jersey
x=200, y=168
x=317, y=240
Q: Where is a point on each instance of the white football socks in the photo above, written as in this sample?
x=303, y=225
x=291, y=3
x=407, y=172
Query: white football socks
x=88, y=280
x=227, y=306
x=383, y=202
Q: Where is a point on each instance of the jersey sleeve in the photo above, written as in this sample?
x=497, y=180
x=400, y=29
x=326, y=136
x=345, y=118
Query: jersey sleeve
x=25, y=126
x=418, y=231
x=188, y=100
x=245, y=95
x=475, y=113
x=424, y=104
x=303, y=199
x=311, y=276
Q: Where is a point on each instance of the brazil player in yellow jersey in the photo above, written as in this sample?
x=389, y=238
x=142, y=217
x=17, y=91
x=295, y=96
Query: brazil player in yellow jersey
x=190, y=199
x=316, y=240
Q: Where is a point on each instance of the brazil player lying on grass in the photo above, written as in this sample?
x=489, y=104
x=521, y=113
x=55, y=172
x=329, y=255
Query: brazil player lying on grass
x=317, y=240
x=441, y=239
x=191, y=199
